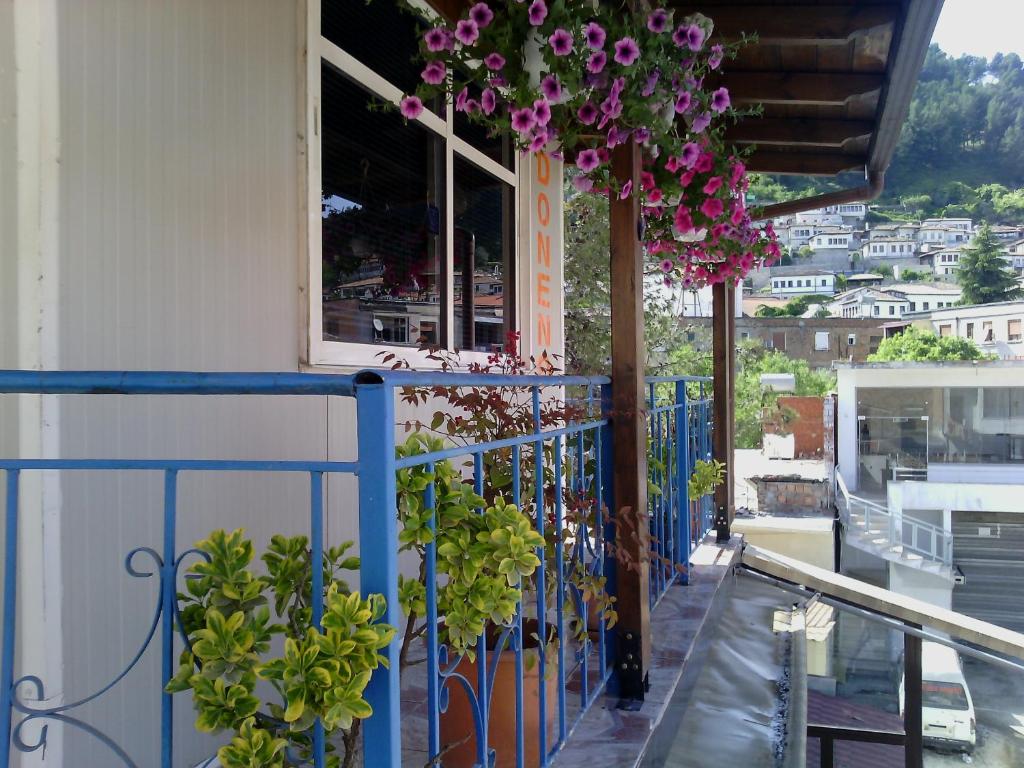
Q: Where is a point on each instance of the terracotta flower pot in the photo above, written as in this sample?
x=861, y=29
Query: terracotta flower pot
x=457, y=722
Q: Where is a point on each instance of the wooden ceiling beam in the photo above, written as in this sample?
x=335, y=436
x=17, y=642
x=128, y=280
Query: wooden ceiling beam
x=810, y=131
x=797, y=24
x=798, y=87
x=803, y=163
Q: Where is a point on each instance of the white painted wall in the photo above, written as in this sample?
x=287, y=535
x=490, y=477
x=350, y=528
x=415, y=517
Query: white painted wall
x=921, y=585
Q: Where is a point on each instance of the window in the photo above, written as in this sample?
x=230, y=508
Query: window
x=821, y=341
x=851, y=339
x=970, y=330
x=875, y=310
x=398, y=265
x=892, y=309
x=789, y=284
x=823, y=282
x=913, y=306
x=778, y=341
x=1013, y=330
x=945, y=329
x=986, y=331
x=924, y=305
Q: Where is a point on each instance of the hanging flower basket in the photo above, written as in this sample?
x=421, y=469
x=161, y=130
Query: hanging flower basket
x=583, y=78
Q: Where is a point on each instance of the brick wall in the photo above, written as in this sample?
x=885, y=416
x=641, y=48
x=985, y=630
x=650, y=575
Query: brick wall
x=807, y=425
x=780, y=494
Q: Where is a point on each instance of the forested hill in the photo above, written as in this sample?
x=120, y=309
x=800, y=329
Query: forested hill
x=962, y=147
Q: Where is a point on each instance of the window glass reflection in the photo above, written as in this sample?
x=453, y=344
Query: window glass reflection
x=382, y=221
x=482, y=258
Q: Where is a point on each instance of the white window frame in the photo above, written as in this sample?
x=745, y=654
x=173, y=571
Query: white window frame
x=362, y=355
x=821, y=341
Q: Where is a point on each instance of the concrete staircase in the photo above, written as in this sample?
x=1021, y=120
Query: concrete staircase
x=870, y=527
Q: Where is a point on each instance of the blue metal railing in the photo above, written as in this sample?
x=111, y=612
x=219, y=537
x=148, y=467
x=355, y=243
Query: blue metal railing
x=679, y=428
x=553, y=465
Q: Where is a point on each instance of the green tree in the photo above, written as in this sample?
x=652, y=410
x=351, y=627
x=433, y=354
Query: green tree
x=884, y=270
x=752, y=400
x=984, y=274
x=795, y=307
x=587, y=301
x=918, y=345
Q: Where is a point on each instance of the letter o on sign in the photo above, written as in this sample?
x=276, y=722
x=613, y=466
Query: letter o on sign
x=543, y=209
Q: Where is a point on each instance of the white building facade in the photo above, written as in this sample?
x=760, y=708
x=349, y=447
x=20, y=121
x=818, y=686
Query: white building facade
x=997, y=328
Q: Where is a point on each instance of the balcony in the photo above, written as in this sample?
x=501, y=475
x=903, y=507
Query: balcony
x=441, y=690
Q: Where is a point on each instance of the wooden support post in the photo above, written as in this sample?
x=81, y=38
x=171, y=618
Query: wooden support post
x=629, y=431
x=723, y=345
x=912, y=720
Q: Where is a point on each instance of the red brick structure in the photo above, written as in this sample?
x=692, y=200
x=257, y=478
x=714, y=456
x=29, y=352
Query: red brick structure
x=807, y=425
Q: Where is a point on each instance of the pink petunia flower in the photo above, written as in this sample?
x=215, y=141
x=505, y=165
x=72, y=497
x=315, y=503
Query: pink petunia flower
x=689, y=154
x=655, y=196
x=713, y=185
x=561, y=42
x=720, y=100
x=667, y=265
x=594, y=35
x=682, y=221
x=701, y=122
x=657, y=20
x=596, y=62
x=434, y=73
x=488, y=101
x=646, y=180
x=686, y=178
x=672, y=164
x=712, y=207
x=587, y=160
x=542, y=111
x=523, y=120
x=694, y=37
x=494, y=61
x=436, y=39
x=537, y=12
x=582, y=183
x=551, y=88
x=627, y=190
x=587, y=113
x=626, y=51
x=482, y=14
x=467, y=32
x=411, y=107
x=715, y=60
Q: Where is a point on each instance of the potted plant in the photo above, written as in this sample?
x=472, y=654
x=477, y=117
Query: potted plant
x=226, y=616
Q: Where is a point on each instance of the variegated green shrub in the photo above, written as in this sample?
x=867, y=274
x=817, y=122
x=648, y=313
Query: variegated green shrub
x=226, y=614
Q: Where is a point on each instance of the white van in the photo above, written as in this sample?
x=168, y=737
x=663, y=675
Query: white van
x=947, y=711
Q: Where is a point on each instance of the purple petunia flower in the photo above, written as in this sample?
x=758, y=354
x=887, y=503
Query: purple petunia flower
x=618, y=86
x=720, y=100
x=689, y=154
x=627, y=190
x=582, y=183
x=551, y=88
x=694, y=37
x=596, y=62
x=626, y=51
x=537, y=12
x=561, y=42
x=539, y=141
x=587, y=160
x=466, y=31
x=715, y=61
x=542, y=111
x=701, y=122
x=640, y=135
x=667, y=266
x=460, y=100
x=679, y=36
x=434, y=73
x=494, y=61
x=611, y=107
x=436, y=39
x=587, y=113
x=594, y=35
x=657, y=20
x=523, y=120
x=482, y=14
x=651, y=84
x=488, y=101
x=411, y=107
x=683, y=102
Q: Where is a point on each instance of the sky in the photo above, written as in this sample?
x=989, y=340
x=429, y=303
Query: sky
x=981, y=27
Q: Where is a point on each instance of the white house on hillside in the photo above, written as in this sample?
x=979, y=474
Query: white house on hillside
x=942, y=235
x=888, y=248
x=943, y=262
x=953, y=222
x=924, y=296
x=831, y=239
x=904, y=230
x=797, y=281
x=869, y=302
x=997, y=328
